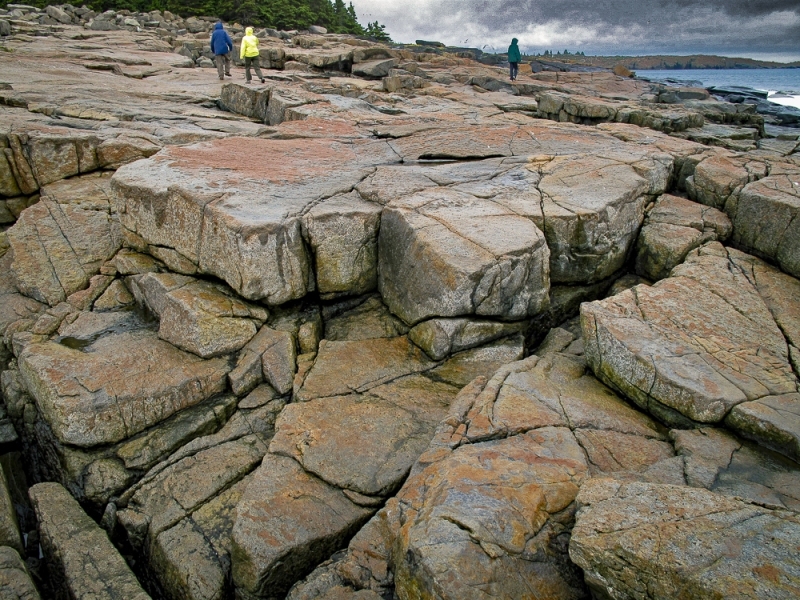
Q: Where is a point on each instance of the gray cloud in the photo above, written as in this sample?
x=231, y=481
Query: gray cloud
x=761, y=28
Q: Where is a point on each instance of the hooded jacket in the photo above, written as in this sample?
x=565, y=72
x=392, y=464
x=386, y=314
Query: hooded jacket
x=513, y=52
x=221, y=42
x=249, y=47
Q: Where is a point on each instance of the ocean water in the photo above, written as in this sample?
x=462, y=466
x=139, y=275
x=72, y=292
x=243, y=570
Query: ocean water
x=782, y=84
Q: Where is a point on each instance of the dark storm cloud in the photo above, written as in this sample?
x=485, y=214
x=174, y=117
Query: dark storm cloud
x=746, y=28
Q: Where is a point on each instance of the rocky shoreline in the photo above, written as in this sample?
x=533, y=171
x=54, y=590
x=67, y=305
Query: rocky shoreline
x=386, y=326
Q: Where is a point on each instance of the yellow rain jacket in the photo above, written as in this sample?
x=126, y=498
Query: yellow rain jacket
x=249, y=47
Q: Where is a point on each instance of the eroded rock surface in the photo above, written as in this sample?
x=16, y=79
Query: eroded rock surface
x=701, y=346
x=643, y=540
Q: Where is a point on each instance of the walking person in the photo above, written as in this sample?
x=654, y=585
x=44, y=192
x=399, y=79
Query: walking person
x=249, y=52
x=221, y=46
x=514, y=57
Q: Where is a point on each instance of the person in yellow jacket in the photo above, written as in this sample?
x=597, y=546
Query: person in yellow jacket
x=249, y=52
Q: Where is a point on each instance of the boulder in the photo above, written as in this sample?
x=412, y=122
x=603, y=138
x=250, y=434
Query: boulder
x=63, y=240
x=366, y=318
x=81, y=557
x=440, y=338
x=439, y=257
x=270, y=356
x=286, y=523
x=15, y=580
x=644, y=540
x=374, y=69
x=200, y=317
x=674, y=227
x=694, y=346
x=9, y=529
x=766, y=220
x=243, y=100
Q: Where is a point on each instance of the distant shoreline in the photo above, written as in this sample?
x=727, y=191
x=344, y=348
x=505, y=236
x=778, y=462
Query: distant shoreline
x=669, y=63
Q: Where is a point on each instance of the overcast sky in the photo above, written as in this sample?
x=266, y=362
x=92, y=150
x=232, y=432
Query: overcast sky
x=764, y=29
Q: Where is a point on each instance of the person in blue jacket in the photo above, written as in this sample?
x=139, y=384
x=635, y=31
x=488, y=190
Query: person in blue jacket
x=514, y=57
x=221, y=46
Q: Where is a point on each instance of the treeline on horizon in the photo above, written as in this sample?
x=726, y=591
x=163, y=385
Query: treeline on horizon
x=334, y=15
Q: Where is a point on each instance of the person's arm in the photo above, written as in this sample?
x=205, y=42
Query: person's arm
x=229, y=41
x=241, y=50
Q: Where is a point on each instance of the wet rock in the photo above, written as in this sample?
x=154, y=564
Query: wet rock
x=672, y=229
x=80, y=554
x=718, y=461
x=63, y=240
x=641, y=540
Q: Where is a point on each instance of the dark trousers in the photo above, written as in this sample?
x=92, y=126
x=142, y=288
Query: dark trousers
x=513, y=69
x=223, y=62
x=251, y=61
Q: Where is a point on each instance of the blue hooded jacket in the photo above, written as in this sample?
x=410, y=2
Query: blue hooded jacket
x=221, y=42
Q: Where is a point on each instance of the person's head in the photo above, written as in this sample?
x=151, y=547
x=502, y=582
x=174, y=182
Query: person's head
x=514, y=40
x=218, y=25
x=248, y=31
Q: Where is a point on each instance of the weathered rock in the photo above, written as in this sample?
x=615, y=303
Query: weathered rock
x=250, y=235
x=364, y=443
x=60, y=242
x=15, y=581
x=107, y=394
x=440, y=338
x=439, y=257
x=248, y=101
x=80, y=555
x=376, y=69
x=182, y=512
x=9, y=529
x=696, y=345
x=641, y=540
x=200, y=317
x=720, y=462
x=766, y=220
x=365, y=319
x=343, y=234
x=14, y=307
x=672, y=229
x=342, y=368
x=286, y=523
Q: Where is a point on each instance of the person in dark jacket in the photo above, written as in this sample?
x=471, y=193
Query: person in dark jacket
x=221, y=46
x=513, y=59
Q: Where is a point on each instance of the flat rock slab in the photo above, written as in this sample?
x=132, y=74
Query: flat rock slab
x=241, y=219
x=364, y=443
x=62, y=241
x=345, y=367
x=642, y=540
x=696, y=345
x=107, y=391
x=77, y=549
